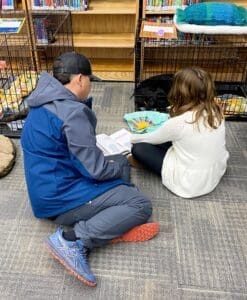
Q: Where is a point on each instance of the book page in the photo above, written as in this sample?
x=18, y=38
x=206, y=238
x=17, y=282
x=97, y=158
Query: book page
x=108, y=145
x=122, y=137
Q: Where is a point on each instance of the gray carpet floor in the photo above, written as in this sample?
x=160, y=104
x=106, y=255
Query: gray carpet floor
x=200, y=252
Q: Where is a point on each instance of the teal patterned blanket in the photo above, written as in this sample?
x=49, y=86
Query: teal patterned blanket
x=212, y=13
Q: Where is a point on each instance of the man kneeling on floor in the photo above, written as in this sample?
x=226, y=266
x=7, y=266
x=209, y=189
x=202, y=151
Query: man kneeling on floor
x=68, y=178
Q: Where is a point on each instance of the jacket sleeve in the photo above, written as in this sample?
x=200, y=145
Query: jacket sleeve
x=85, y=155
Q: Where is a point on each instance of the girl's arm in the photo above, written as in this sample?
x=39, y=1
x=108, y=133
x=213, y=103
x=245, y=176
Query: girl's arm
x=170, y=131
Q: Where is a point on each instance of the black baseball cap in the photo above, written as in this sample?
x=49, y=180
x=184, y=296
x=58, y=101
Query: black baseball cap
x=73, y=63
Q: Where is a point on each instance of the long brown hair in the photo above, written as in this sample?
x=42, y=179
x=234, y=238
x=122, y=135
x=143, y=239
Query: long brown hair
x=193, y=89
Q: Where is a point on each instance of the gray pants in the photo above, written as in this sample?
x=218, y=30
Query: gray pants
x=108, y=216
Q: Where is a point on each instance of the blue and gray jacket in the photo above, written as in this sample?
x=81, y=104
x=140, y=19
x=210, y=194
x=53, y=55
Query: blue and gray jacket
x=63, y=166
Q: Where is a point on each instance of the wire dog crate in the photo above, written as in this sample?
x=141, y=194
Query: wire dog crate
x=17, y=73
x=224, y=56
x=23, y=55
x=52, y=31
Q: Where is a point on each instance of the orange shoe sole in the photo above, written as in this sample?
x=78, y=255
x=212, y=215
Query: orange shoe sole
x=72, y=272
x=139, y=233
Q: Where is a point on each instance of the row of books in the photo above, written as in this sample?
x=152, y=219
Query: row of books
x=49, y=4
x=160, y=5
x=61, y=4
x=161, y=19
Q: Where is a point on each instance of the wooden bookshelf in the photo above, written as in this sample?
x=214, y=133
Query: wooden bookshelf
x=110, y=7
x=104, y=40
x=106, y=34
x=113, y=69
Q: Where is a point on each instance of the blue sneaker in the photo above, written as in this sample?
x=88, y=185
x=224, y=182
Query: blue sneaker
x=72, y=255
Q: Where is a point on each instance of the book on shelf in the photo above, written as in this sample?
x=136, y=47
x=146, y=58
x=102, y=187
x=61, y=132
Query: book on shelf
x=116, y=143
x=7, y=4
x=42, y=4
x=40, y=30
x=11, y=25
x=44, y=30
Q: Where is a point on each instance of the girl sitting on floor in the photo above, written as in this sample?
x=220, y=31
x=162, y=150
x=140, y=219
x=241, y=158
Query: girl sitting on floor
x=188, y=150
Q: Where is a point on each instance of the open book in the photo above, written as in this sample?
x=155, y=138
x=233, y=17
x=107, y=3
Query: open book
x=116, y=143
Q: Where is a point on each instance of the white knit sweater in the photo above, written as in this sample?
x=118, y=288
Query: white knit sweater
x=197, y=160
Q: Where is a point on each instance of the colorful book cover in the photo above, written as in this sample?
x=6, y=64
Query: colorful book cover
x=11, y=25
x=40, y=31
x=7, y=4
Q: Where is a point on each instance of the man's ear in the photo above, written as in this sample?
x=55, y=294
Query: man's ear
x=79, y=79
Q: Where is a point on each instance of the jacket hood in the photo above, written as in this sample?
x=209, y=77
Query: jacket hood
x=47, y=90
